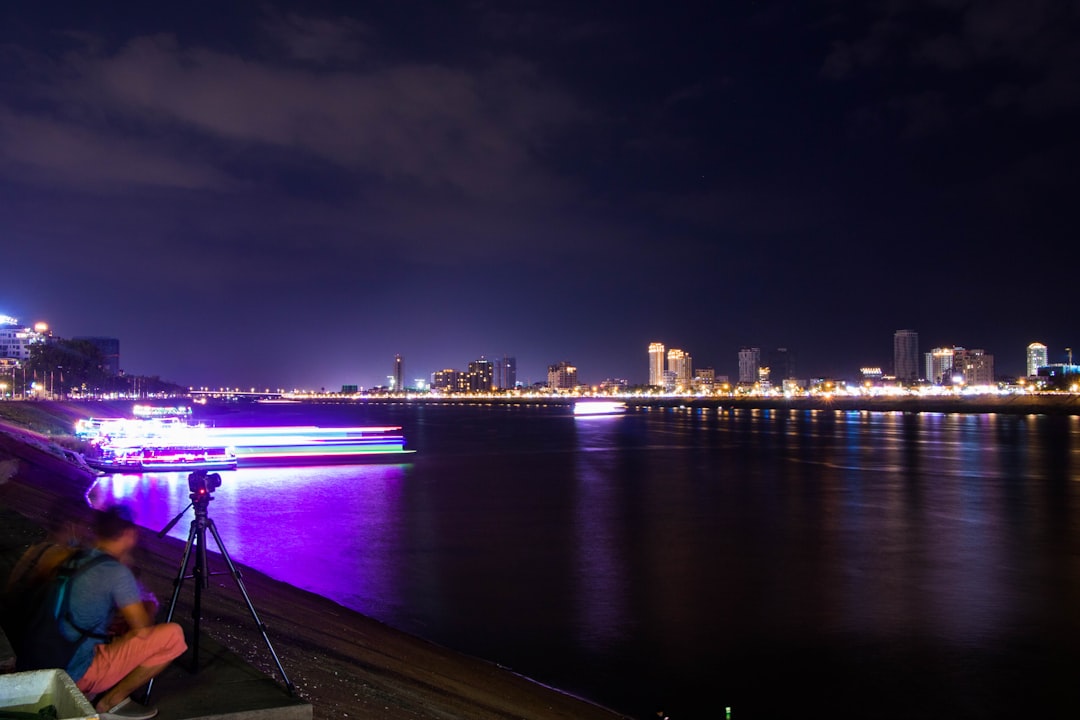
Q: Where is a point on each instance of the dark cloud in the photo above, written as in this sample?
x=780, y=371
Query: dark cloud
x=319, y=39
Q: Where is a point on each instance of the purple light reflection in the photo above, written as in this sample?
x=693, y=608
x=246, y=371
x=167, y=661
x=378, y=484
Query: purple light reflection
x=300, y=510
x=602, y=616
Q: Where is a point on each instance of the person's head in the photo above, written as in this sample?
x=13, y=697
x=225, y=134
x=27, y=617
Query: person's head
x=66, y=522
x=115, y=524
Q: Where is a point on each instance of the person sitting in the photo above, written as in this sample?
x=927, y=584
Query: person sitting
x=109, y=672
x=65, y=531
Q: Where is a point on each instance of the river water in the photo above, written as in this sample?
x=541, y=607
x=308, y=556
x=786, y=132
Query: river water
x=778, y=563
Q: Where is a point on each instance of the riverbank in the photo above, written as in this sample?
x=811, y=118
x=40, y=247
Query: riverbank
x=343, y=663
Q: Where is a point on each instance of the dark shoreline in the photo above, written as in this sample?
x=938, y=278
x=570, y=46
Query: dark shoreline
x=1040, y=404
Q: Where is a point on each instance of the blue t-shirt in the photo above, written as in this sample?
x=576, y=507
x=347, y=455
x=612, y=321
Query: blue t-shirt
x=95, y=595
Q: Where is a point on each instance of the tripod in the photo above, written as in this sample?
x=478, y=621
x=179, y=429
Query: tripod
x=201, y=486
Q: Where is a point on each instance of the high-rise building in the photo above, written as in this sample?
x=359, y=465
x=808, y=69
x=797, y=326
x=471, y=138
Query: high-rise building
x=906, y=355
x=939, y=365
x=1037, y=357
x=506, y=373
x=656, y=364
x=679, y=365
x=399, y=374
x=481, y=375
x=782, y=364
x=973, y=367
x=562, y=376
x=749, y=364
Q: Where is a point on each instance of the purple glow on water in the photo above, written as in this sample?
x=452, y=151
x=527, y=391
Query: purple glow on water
x=297, y=512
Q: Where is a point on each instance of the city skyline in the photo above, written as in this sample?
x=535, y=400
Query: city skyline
x=292, y=194
x=670, y=368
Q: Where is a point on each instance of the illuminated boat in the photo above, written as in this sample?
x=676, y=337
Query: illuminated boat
x=588, y=408
x=154, y=445
x=310, y=445
x=131, y=458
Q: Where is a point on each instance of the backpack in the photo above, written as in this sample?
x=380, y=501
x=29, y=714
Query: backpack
x=41, y=643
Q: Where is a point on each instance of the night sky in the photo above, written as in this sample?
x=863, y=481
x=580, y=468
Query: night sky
x=289, y=194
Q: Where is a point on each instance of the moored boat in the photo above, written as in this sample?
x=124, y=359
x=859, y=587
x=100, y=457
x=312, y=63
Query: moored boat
x=310, y=445
x=165, y=444
x=162, y=459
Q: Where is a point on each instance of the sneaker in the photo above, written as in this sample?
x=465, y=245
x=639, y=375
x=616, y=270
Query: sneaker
x=128, y=709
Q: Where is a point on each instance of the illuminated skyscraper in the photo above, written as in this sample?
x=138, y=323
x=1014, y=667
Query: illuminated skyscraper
x=481, y=375
x=749, y=364
x=399, y=374
x=679, y=366
x=973, y=367
x=656, y=364
x=1036, y=358
x=939, y=365
x=906, y=355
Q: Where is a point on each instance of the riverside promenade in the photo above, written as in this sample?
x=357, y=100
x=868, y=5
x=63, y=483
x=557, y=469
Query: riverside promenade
x=341, y=663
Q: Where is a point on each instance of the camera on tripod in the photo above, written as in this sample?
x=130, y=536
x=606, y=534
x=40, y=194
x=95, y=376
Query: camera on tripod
x=201, y=483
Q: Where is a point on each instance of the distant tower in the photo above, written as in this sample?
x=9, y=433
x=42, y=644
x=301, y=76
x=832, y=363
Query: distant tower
x=906, y=355
x=782, y=364
x=1037, y=357
x=399, y=374
x=506, y=373
x=749, y=364
x=656, y=364
x=481, y=375
x=678, y=364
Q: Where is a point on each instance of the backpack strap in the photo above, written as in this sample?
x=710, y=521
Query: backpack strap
x=62, y=611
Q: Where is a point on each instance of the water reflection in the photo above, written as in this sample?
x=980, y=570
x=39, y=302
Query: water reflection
x=331, y=530
x=601, y=563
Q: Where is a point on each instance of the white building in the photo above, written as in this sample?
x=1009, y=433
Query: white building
x=656, y=364
x=939, y=365
x=1037, y=357
x=15, y=340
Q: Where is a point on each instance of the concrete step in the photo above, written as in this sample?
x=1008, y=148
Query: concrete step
x=224, y=686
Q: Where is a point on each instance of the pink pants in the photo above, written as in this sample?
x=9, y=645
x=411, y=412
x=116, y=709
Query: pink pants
x=151, y=646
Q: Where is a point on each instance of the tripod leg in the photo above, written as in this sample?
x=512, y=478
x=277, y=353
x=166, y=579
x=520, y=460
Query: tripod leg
x=201, y=574
x=176, y=591
x=255, y=616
